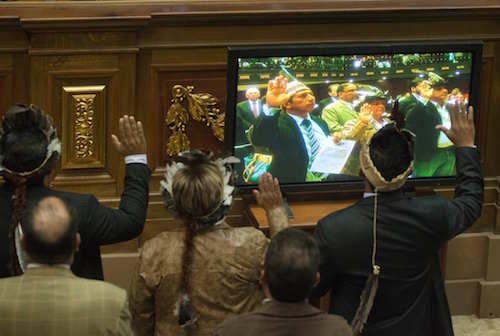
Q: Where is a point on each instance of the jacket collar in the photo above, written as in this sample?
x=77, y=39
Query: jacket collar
x=285, y=309
x=46, y=270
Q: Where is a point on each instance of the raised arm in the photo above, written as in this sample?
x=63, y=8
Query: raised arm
x=466, y=205
x=269, y=197
x=102, y=225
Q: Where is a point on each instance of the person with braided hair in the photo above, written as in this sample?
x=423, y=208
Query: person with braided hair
x=29, y=150
x=188, y=282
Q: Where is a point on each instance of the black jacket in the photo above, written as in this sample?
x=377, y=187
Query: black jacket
x=422, y=120
x=410, y=230
x=282, y=136
x=97, y=224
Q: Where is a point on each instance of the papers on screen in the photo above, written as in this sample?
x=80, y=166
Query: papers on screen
x=331, y=157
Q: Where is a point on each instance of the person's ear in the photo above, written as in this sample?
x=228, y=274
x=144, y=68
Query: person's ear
x=317, y=278
x=77, y=243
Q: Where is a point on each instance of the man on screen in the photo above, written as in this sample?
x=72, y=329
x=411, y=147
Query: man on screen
x=422, y=117
x=247, y=112
x=292, y=135
x=337, y=114
x=332, y=98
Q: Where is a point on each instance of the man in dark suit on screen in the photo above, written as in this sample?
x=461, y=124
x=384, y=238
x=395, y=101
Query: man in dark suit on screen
x=29, y=151
x=422, y=117
x=293, y=135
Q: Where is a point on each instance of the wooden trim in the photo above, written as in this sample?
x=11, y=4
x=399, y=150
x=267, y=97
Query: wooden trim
x=60, y=52
x=65, y=9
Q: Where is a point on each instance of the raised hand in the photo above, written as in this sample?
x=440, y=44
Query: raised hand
x=276, y=91
x=131, y=139
x=462, y=131
x=365, y=114
x=269, y=194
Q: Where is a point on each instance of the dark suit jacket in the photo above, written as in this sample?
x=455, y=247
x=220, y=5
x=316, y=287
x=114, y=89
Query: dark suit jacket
x=97, y=224
x=281, y=134
x=276, y=318
x=410, y=230
x=244, y=119
x=422, y=120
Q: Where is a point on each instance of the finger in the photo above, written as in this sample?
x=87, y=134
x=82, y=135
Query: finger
x=127, y=130
x=140, y=132
x=453, y=113
x=116, y=142
x=277, y=186
x=256, y=194
x=265, y=183
x=270, y=85
x=470, y=114
x=133, y=126
x=444, y=130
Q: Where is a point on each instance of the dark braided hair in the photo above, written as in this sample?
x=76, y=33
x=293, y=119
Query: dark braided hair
x=25, y=133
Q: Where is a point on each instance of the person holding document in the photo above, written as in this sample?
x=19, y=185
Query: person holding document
x=293, y=135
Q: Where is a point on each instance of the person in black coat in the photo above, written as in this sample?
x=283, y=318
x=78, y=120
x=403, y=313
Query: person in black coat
x=409, y=232
x=283, y=133
x=29, y=149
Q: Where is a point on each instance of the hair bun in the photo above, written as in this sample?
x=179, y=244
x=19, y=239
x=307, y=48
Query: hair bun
x=21, y=117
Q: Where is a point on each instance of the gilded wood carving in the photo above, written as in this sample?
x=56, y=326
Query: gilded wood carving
x=83, y=114
x=201, y=107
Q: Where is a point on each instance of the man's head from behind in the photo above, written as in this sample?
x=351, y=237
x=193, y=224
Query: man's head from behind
x=291, y=266
x=387, y=160
x=49, y=232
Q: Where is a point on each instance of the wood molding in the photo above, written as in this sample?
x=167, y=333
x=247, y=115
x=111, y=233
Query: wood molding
x=424, y=8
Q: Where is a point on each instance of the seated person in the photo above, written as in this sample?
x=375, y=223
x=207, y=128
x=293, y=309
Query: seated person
x=48, y=299
x=187, y=282
x=29, y=150
x=290, y=272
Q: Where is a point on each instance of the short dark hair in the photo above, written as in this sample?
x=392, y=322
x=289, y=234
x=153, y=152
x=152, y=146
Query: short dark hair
x=49, y=251
x=290, y=266
x=342, y=87
x=390, y=152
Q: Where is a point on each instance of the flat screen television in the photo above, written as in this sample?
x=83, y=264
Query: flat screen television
x=302, y=112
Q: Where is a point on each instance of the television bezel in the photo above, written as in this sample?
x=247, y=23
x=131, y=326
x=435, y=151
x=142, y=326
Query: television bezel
x=331, y=49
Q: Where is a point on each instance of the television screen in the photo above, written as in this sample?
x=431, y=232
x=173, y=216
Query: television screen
x=303, y=112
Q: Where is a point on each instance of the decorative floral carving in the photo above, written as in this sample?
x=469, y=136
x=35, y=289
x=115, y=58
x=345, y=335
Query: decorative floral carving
x=84, y=126
x=201, y=107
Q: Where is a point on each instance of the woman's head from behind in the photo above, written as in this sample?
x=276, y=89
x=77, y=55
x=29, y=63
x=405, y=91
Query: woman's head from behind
x=198, y=187
x=197, y=190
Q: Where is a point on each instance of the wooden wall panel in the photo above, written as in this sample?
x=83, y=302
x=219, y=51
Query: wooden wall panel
x=113, y=77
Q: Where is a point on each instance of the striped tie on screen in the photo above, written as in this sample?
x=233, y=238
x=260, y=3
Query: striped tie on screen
x=313, y=142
